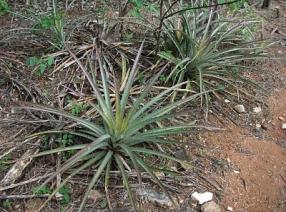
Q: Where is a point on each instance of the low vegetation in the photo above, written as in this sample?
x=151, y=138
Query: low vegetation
x=120, y=120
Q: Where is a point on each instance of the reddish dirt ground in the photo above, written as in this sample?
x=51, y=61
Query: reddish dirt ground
x=257, y=181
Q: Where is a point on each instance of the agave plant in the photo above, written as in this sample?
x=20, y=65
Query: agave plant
x=121, y=135
x=208, y=51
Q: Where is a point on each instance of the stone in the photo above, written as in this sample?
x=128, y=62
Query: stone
x=155, y=197
x=257, y=110
x=210, y=207
x=201, y=198
x=258, y=127
x=229, y=208
x=227, y=101
x=264, y=126
x=181, y=154
x=281, y=118
x=283, y=126
x=95, y=195
x=240, y=108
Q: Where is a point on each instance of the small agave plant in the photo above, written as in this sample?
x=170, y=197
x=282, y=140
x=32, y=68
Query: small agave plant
x=209, y=53
x=123, y=136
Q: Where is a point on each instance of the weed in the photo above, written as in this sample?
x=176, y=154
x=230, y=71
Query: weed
x=234, y=7
x=8, y=205
x=163, y=78
x=138, y=5
x=55, y=23
x=40, y=190
x=77, y=107
x=4, y=7
x=64, y=141
x=103, y=204
x=4, y=163
x=40, y=65
x=65, y=191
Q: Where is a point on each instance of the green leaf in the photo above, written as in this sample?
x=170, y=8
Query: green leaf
x=7, y=203
x=130, y=80
x=125, y=180
x=92, y=126
x=65, y=191
x=42, y=69
x=46, y=22
x=32, y=61
x=151, y=152
x=4, y=7
x=96, y=176
x=50, y=61
x=41, y=190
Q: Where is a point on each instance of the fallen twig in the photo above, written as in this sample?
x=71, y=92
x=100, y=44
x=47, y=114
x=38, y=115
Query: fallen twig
x=24, y=182
x=17, y=169
x=28, y=196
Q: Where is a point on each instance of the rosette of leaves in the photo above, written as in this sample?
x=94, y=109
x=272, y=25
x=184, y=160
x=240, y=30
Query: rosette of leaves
x=209, y=51
x=121, y=137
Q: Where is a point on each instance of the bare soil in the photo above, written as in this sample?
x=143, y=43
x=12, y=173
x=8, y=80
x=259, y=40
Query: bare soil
x=257, y=179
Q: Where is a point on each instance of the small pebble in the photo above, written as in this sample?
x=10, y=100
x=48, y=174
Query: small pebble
x=258, y=127
x=281, y=118
x=229, y=208
x=284, y=126
x=210, y=207
x=264, y=126
x=257, y=110
x=240, y=108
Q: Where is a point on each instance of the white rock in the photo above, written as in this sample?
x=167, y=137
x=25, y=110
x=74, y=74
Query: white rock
x=284, y=126
x=59, y=196
x=257, y=110
x=226, y=101
x=202, y=197
x=210, y=207
x=258, y=127
x=236, y=172
x=240, y=108
x=229, y=208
